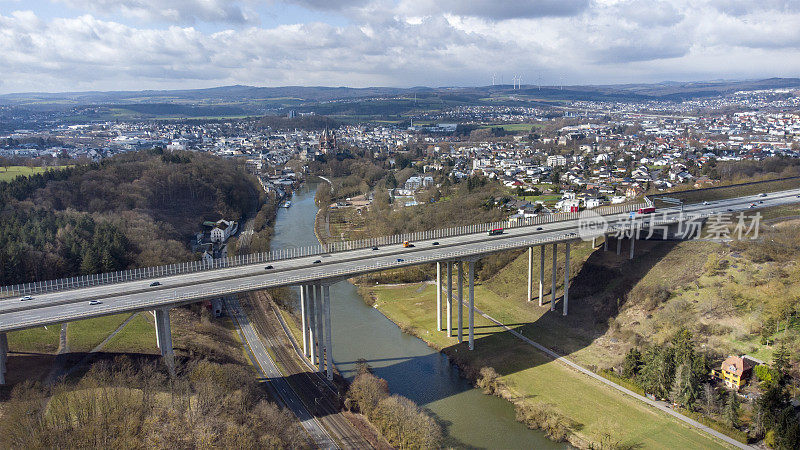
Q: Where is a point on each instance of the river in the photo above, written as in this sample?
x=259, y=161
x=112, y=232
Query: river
x=412, y=369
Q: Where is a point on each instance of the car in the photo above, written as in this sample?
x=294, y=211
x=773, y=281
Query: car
x=407, y=244
x=763, y=194
x=761, y=201
x=400, y=259
x=26, y=298
x=375, y=248
x=155, y=283
x=752, y=205
x=317, y=261
x=270, y=267
x=95, y=302
x=539, y=228
x=435, y=243
x=705, y=203
x=730, y=210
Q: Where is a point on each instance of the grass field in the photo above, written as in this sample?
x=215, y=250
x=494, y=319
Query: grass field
x=138, y=336
x=552, y=198
x=11, y=172
x=84, y=335
x=35, y=340
x=533, y=377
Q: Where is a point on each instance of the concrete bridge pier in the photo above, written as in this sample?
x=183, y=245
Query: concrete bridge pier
x=555, y=269
x=439, y=296
x=633, y=240
x=3, y=357
x=164, y=337
x=472, y=305
x=541, y=275
x=566, y=280
x=605, y=242
x=530, y=274
x=619, y=245
x=449, y=299
x=461, y=301
x=311, y=323
x=318, y=320
x=303, y=313
x=328, y=337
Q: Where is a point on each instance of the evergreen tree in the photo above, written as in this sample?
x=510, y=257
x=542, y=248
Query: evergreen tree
x=787, y=430
x=631, y=364
x=780, y=359
x=731, y=412
x=709, y=399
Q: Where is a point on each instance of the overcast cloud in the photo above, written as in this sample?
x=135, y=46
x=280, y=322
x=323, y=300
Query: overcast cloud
x=66, y=45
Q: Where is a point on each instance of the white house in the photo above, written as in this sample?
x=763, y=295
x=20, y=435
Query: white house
x=223, y=230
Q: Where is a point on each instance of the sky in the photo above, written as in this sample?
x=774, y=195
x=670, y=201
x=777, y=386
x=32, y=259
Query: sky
x=79, y=45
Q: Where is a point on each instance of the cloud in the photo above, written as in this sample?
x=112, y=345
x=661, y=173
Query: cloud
x=171, y=11
x=495, y=9
x=392, y=42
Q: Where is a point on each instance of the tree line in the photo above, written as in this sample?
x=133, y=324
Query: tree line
x=132, y=210
x=678, y=372
x=398, y=419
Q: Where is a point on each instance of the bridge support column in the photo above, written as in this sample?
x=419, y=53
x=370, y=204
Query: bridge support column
x=605, y=242
x=164, y=337
x=530, y=274
x=619, y=245
x=633, y=240
x=541, y=275
x=472, y=305
x=328, y=334
x=461, y=301
x=3, y=357
x=320, y=337
x=566, y=281
x=555, y=270
x=449, y=299
x=303, y=322
x=594, y=242
x=439, y=296
x=312, y=324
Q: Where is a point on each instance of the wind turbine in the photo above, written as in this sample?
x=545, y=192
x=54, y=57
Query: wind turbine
x=494, y=79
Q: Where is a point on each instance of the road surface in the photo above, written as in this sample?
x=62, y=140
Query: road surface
x=64, y=306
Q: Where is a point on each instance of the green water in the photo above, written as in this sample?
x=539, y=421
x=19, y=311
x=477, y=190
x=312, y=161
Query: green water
x=412, y=369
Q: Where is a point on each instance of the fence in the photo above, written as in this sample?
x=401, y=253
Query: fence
x=369, y=266
x=287, y=253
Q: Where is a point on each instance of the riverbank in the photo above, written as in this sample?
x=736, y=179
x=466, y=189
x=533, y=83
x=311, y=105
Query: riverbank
x=595, y=413
x=411, y=367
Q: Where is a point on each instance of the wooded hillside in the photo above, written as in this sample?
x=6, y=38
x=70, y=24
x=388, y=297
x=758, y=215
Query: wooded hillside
x=132, y=210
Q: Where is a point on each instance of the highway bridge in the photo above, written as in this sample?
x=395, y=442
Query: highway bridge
x=315, y=269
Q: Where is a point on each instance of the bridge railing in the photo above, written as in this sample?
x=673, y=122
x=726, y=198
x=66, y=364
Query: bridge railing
x=145, y=273
x=369, y=266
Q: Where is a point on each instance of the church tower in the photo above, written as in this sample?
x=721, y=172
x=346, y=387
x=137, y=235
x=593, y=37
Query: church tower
x=327, y=142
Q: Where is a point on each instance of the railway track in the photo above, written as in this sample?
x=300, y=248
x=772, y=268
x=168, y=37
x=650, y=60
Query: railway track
x=319, y=397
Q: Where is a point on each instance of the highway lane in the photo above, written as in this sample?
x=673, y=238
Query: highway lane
x=70, y=305
x=276, y=380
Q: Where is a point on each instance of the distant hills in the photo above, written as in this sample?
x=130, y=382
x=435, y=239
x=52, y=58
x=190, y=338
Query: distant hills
x=304, y=94
x=352, y=104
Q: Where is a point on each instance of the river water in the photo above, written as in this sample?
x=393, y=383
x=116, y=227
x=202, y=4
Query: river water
x=411, y=368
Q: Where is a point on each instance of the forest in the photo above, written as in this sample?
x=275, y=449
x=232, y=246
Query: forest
x=132, y=210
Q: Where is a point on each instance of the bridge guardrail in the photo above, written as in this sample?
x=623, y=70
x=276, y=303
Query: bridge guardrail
x=288, y=253
x=369, y=267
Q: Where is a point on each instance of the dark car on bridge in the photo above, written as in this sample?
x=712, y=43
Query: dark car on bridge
x=155, y=283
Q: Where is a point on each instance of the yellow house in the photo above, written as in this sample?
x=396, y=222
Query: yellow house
x=734, y=371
